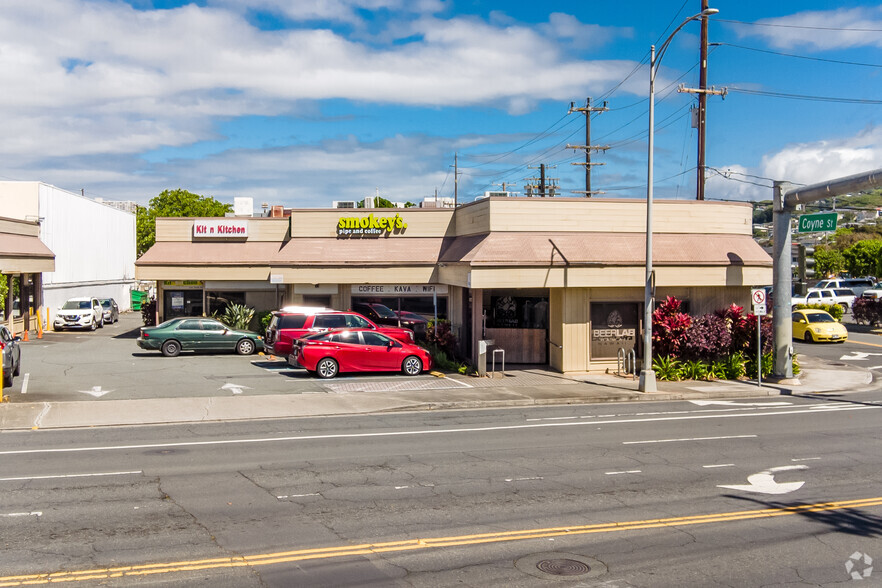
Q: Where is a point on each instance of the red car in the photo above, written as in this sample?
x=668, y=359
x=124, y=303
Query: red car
x=289, y=324
x=357, y=350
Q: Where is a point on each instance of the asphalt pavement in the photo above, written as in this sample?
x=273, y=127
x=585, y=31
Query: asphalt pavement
x=355, y=395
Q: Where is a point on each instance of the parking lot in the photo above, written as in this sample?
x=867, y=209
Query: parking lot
x=107, y=364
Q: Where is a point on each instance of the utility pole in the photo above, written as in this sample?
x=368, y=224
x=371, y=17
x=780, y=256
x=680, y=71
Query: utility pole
x=587, y=147
x=544, y=186
x=455, y=180
x=702, y=105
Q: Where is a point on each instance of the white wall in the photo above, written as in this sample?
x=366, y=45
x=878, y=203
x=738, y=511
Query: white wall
x=94, y=248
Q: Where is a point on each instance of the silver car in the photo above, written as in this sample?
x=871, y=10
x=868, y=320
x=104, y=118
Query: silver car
x=11, y=356
x=111, y=309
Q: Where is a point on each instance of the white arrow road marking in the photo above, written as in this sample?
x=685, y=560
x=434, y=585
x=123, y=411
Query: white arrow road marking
x=35, y=513
x=731, y=403
x=96, y=391
x=764, y=482
x=235, y=388
x=858, y=356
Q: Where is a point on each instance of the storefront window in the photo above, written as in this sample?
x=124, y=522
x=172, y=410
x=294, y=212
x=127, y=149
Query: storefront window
x=182, y=303
x=219, y=301
x=517, y=312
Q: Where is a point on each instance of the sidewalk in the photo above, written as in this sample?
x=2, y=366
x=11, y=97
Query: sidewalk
x=530, y=387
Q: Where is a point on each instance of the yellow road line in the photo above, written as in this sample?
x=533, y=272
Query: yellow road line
x=416, y=544
x=862, y=343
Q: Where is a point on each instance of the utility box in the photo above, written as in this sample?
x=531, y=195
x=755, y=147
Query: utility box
x=483, y=345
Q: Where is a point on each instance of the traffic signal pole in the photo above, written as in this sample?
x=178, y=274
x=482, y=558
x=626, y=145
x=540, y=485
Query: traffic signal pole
x=786, y=199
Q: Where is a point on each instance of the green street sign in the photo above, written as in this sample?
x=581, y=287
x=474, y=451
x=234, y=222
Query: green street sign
x=816, y=223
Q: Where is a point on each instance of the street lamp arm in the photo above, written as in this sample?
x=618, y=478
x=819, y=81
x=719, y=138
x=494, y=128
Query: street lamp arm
x=664, y=46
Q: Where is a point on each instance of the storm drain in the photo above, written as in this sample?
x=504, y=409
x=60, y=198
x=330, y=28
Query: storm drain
x=556, y=565
x=563, y=567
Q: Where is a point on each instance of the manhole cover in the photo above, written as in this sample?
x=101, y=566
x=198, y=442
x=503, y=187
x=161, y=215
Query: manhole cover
x=563, y=567
x=557, y=565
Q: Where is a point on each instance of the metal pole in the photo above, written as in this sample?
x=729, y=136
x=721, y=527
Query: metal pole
x=702, y=104
x=759, y=352
x=647, y=375
x=783, y=282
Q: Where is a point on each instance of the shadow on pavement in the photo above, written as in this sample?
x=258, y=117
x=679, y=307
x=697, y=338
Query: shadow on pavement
x=853, y=521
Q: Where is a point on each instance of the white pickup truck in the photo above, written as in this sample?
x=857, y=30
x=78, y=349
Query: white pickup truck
x=844, y=297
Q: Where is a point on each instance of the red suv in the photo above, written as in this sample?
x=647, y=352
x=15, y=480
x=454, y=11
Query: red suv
x=288, y=325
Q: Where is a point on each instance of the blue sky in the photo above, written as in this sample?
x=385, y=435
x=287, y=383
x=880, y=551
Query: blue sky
x=304, y=102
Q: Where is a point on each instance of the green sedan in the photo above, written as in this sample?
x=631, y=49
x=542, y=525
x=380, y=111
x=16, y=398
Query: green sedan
x=198, y=334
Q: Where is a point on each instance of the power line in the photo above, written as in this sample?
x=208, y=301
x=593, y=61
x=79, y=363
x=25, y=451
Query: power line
x=789, y=26
x=805, y=97
x=838, y=61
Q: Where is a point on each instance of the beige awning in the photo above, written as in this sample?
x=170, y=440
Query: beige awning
x=24, y=254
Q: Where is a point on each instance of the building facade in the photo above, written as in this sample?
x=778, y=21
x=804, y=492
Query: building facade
x=558, y=282
x=94, y=243
x=23, y=260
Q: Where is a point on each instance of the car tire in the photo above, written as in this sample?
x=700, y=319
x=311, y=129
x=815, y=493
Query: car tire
x=245, y=347
x=101, y=324
x=412, y=365
x=327, y=368
x=844, y=308
x=171, y=348
x=7, y=379
x=17, y=369
x=94, y=325
x=808, y=337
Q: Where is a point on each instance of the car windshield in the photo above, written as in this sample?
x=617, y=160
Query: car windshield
x=383, y=311
x=76, y=305
x=819, y=317
x=105, y=303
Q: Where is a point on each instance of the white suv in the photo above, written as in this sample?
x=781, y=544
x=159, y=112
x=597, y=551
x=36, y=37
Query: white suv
x=79, y=313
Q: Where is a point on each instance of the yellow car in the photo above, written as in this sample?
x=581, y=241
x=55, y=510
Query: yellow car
x=817, y=325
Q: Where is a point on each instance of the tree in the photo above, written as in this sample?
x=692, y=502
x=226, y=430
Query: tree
x=174, y=203
x=864, y=258
x=380, y=202
x=828, y=262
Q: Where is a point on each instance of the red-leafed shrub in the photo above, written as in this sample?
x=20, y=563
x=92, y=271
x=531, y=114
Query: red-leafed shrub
x=669, y=327
x=707, y=338
x=867, y=310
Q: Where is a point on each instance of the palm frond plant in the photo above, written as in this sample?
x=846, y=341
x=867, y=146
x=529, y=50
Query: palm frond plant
x=237, y=316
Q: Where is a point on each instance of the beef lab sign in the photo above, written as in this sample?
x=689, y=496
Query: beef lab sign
x=220, y=228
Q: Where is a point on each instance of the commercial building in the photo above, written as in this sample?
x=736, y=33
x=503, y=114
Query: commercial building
x=23, y=259
x=93, y=244
x=553, y=281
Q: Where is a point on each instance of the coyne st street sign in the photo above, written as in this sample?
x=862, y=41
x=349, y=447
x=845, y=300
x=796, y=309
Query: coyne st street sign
x=816, y=223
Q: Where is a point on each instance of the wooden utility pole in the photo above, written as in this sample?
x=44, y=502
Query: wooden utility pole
x=544, y=186
x=587, y=147
x=702, y=104
x=455, y=181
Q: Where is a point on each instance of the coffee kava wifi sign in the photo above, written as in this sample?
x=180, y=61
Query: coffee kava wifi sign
x=370, y=226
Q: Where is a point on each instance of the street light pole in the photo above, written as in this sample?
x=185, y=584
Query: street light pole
x=647, y=375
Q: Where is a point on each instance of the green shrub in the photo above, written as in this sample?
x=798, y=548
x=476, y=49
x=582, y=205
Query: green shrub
x=768, y=365
x=237, y=316
x=667, y=368
x=717, y=370
x=694, y=369
x=733, y=366
x=263, y=319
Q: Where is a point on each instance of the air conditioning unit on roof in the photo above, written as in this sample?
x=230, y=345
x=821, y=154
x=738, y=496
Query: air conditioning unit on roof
x=344, y=204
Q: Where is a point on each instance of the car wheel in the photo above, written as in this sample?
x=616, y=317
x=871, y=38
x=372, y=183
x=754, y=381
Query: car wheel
x=17, y=369
x=808, y=337
x=171, y=348
x=245, y=347
x=412, y=365
x=327, y=368
x=7, y=379
x=101, y=324
x=844, y=308
x=94, y=325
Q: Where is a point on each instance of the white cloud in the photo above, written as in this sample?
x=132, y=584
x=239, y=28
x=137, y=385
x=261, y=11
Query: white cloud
x=801, y=163
x=821, y=30
x=100, y=76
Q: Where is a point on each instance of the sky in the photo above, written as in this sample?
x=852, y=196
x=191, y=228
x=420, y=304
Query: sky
x=303, y=102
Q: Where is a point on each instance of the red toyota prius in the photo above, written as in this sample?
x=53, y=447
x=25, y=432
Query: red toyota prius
x=357, y=350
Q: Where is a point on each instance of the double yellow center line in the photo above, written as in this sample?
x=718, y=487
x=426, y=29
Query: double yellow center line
x=264, y=559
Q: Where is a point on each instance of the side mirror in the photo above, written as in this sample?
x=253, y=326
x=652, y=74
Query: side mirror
x=390, y=344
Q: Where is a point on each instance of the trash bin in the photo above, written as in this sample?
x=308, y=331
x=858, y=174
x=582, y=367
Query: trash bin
x=138, y=297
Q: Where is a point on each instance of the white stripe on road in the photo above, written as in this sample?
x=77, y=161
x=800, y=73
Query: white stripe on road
x=624, y=472
x=689, y=439
x=296, y=495
x=70, y=476
x=36, y=513
x=428, y=431
x=24, y=383
x=805, y=458
x=719, y=465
